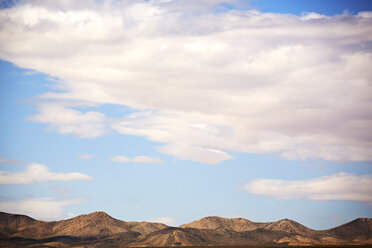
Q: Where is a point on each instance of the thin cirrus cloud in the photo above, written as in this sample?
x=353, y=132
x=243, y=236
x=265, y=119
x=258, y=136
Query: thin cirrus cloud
x=38, y=173
x=121, y=159
x=85, y=156
x=147, y=159
x=41, y=208
x=340, y=186
x=10, y=161
x=138, y=159
x=204, y=85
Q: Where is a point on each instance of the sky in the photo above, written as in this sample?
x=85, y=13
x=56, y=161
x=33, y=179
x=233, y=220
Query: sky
x=170, y=110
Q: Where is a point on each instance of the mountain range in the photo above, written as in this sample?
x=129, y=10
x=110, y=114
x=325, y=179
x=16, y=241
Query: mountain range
x=98, y=229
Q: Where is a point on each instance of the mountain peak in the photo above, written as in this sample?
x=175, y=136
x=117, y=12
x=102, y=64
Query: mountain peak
x=357, y=223
x=99, y=214
x=286, y=221
x=364, y=219
x=212, y=218
x=289, y=226
x=215, y=222
x=360, y=229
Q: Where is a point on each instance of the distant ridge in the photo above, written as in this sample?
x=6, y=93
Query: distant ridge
x=215, y=222
x=99, y=229
x=97, y=224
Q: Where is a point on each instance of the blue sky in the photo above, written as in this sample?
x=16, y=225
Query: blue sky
x=329, y=7
x=170, y=111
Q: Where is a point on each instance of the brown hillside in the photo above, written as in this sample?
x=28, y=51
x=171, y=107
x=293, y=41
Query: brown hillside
x=15, y=225
x=277, y=237
x=96, y=224
x=11, y=223
x=289, y=226
x=171, y=236
x=196, y=237
x=359, y=230
x=101, y=230
x=214, y=222
x=145, y=227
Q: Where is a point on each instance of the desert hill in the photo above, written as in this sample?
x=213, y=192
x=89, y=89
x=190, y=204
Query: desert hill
x=98, y=229
x=174, y=236
x=289, y=226
x=282, y=231
x=96, y=224
x=11, y=223
x=102, y=224
x=214, y=222
x=358, y=230
x=241, y=225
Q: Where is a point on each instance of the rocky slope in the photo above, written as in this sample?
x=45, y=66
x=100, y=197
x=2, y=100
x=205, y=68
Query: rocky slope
x=98, y=229
x=355, y=231
x=214, y=222
x=288, y=226
x=97, y=224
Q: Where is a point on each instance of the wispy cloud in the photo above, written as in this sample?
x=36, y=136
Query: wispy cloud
x=340, y=186
x=122, y=159
x=40, y=208
x=85, y=156
x=29, y=73
x=68, y=121
x=37, y=173
x=205, y=84
x=138, y=159
x=147, y=159
x=10, y=161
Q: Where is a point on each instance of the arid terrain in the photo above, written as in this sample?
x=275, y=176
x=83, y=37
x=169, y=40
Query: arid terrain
x=98, y=229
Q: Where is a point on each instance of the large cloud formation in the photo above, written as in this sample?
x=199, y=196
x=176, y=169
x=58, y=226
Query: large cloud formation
x=204, y=81
x=340, y=186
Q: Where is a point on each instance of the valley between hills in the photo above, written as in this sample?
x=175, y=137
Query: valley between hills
x=98, y=229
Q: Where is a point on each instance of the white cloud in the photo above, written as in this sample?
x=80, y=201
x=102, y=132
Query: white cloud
x=85, y=156
x=147, y=159
x=40, y=208
x=340, y=186
x=165, y=220
x=196, y=5
x=69, y=121
x=312, y=15
x=138, y=159
x=204, y=143
x=122, y=159
x=37, y=173
x=199, y=154
x=204, y=84
x=28, y=73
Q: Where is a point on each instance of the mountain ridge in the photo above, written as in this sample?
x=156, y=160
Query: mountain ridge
x=99, y=229
x=215, y=222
